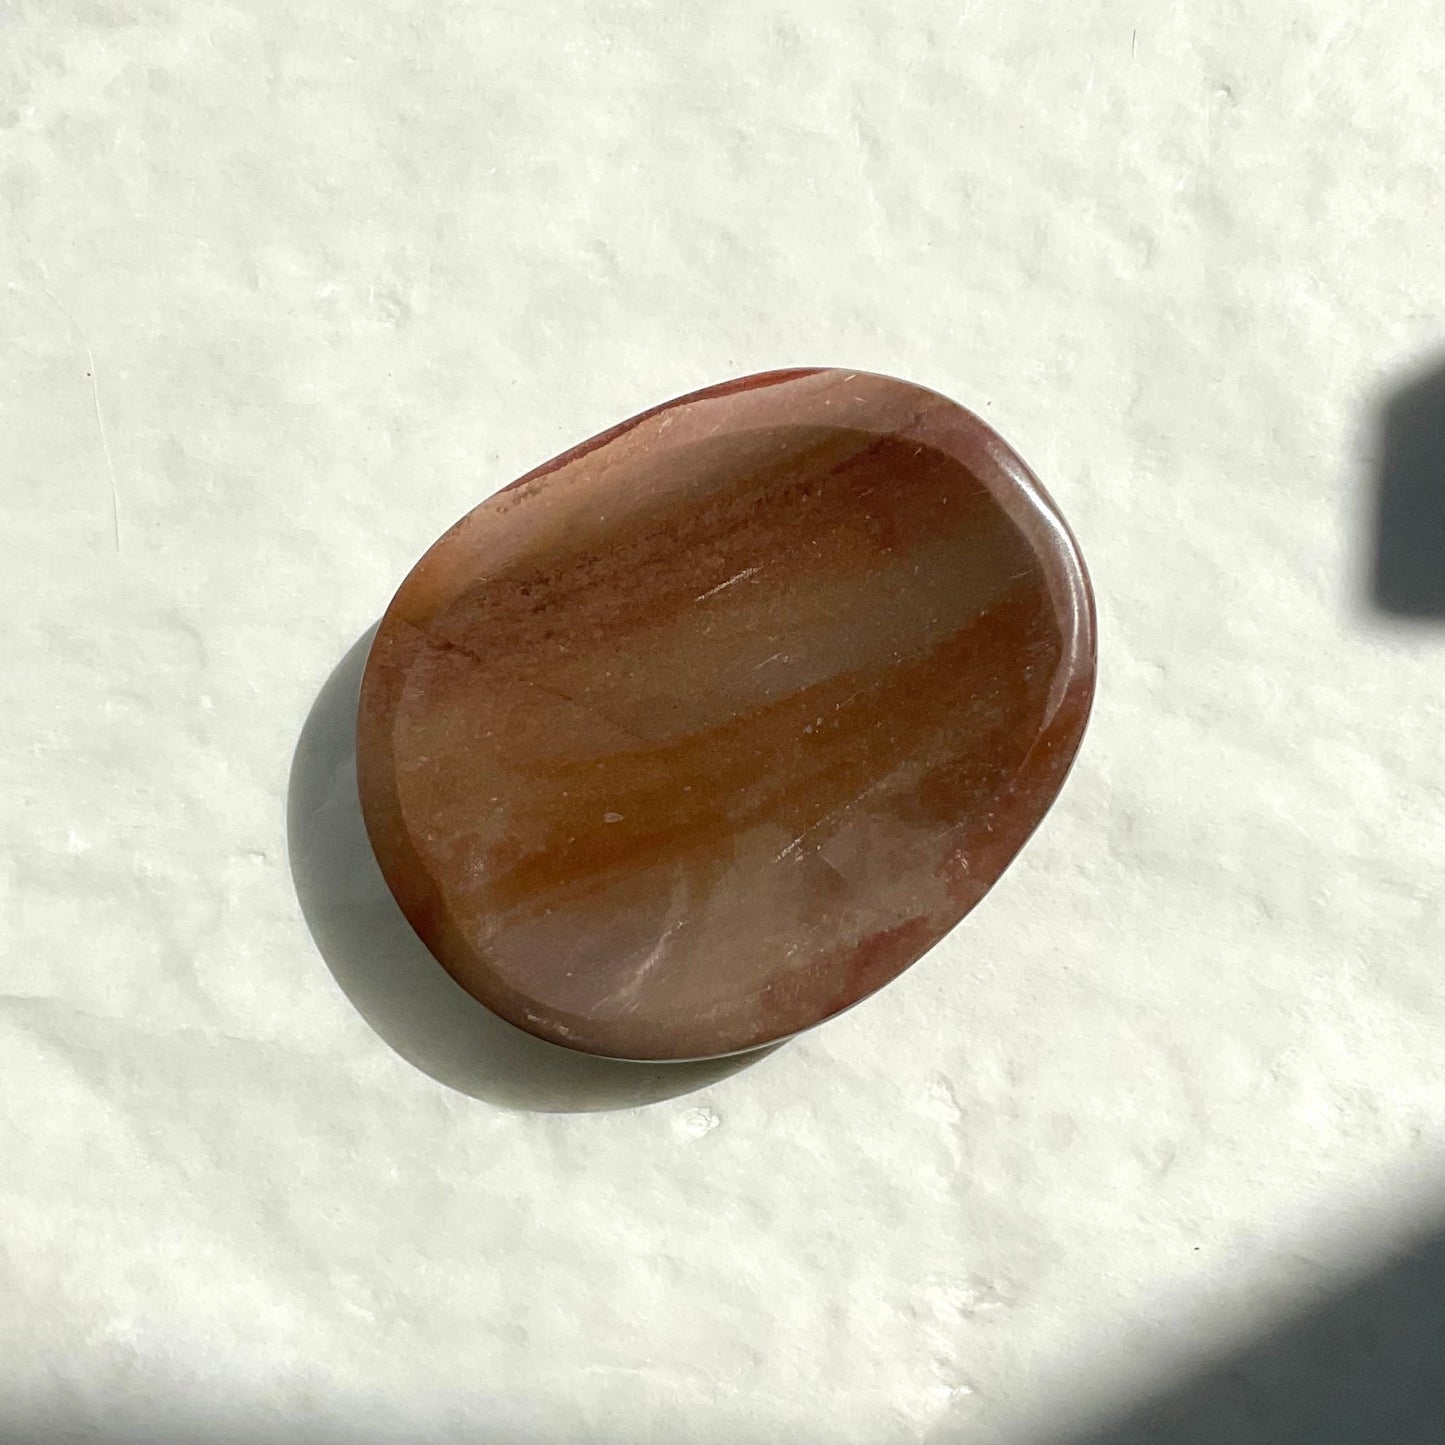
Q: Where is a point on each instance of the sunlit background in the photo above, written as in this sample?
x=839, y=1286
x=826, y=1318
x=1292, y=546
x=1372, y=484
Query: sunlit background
x=1151, y=1149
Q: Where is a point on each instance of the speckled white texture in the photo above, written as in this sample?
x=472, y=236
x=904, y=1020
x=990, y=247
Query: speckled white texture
x=285, y=289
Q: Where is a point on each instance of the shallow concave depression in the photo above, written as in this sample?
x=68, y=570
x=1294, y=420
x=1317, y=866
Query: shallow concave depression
x=713, y=725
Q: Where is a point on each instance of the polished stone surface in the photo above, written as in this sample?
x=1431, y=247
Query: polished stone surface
x=710, y=727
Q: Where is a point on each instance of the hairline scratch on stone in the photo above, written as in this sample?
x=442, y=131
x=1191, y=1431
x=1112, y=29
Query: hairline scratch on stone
x=739, y=577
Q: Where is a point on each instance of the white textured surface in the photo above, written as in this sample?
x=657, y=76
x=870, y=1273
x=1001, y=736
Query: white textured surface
x=285, y=289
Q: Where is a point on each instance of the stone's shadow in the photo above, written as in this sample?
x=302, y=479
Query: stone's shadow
x=387, y=973
x=1407, y=576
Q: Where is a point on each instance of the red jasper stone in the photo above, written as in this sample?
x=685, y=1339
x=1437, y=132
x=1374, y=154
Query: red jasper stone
x=710, y=727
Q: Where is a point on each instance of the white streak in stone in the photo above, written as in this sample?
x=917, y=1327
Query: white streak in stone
x=721, y=586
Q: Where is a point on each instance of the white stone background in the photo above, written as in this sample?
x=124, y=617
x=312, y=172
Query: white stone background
x=285, y=289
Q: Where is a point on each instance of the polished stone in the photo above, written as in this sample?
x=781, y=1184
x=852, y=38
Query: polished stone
x=710, y=727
